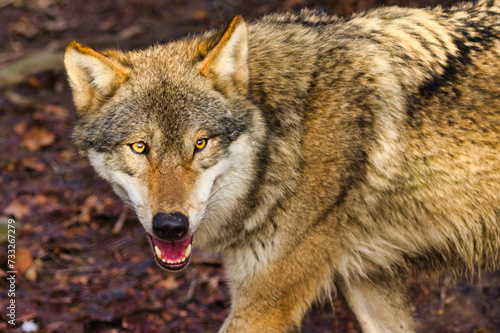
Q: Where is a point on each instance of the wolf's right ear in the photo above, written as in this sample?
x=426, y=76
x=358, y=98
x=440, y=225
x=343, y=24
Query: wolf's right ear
x=92, y=75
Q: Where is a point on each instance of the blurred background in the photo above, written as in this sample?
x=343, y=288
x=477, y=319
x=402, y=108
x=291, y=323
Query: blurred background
x=83, y=261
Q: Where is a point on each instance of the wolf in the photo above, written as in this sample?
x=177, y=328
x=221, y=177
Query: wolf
x=314, y=152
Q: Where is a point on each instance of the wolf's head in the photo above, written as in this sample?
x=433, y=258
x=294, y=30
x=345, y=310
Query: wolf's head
x=171, y=129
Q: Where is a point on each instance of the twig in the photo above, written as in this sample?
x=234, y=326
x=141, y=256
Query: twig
x=51, y=58
x=117, y=228
x=81, y=269
x=19, y=70
x=192, y=286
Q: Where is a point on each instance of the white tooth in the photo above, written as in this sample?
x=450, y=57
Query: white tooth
x=183, y=259
x=187, y=252
x=163, y=260
x=158, y=252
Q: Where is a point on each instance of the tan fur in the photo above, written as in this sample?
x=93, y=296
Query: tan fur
x=169, y=191
x=226, y=63
x=88, y=68
x=348, y=153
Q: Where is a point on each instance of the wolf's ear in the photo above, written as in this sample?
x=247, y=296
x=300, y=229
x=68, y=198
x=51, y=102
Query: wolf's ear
x=226, y=63
x=92, y=75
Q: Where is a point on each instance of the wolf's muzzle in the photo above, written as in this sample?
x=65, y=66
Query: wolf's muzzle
x=170, y=226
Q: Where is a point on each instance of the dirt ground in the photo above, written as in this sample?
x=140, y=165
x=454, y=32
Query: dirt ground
x=74, y=273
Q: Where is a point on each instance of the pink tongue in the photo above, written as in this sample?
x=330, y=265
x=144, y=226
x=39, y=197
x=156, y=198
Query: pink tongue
x=172, y=251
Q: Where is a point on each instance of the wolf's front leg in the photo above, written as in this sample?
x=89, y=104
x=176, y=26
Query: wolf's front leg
x=256, y=311
x=272, y=296
x=244, y=321
x=380, y=306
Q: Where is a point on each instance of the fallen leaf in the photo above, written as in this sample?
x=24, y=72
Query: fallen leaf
x=56, y=110
x=41, y=199
x=33, y=163
x=32, y=272
x=24, y=27
x=213, y=283
x=11, y=167
x=57, y=326
x=24, y=260
x=91, y=205
x=168, y=284
x=34, y=82
x=37, y=138
x=26, y=205
x=67, y=155
x=58, y=25
x=26, y=316
x=20, y=128
x=200, y=14
x=17, y=208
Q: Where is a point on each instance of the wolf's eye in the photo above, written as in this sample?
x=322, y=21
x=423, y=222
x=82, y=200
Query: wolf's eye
x=139, y=147
x=200, y=145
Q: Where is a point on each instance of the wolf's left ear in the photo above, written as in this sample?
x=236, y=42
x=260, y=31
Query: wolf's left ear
x=226, y=64
x=92, y=75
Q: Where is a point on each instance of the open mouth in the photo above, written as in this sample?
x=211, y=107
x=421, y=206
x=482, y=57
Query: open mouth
x=173, y=256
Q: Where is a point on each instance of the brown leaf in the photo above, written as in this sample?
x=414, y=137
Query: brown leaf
x=24, y=260
x=91, y=205
x=27, y=205
x=11, y=167
x=67, y=155
x=34, y=82
x=24, y=27
x=57, y=326
x=168, y=284
x=41, y=199
x=200, y=14
x=20, y=128
x=17, y=208
x=33, y=163
x=37, y=138
x=213, y=283
x=26, y=316
x=56, y=110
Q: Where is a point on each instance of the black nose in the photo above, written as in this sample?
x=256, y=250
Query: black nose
x=171, y=226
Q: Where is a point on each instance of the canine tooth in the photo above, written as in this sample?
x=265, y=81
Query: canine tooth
x=158, y=252
x=187, y=252
x=163, y=260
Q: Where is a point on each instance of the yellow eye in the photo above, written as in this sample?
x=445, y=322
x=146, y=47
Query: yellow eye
x=200, y=144
x=139, y=147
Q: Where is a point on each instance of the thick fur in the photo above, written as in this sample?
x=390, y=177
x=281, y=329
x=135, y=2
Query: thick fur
x=347, y=152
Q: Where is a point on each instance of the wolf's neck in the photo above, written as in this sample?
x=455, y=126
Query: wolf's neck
x=282, y=67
